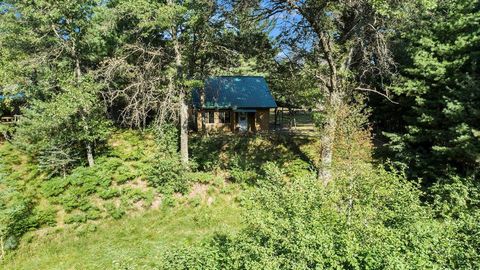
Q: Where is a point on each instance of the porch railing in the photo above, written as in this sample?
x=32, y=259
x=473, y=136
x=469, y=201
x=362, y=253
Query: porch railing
x=10, y=119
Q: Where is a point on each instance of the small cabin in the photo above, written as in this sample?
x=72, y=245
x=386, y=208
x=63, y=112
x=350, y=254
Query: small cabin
x=233, y=104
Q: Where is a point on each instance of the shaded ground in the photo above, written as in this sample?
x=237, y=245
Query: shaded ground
x=227, y=151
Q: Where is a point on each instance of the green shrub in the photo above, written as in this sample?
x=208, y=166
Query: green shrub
x=142, y=168
x=108, y=193
x=114, y=211
x=74, y=198
x=124, y=174
x=93, y=213
x=206, y=150
x=16, y=217
x=75, y=190
x=197, y=258
x=87, y=180
x=134, y=194
x=360, y=222
x=46, y=217
x=228, y=189
x=242, y=176
x=148, y=197
x=200, y=177
x=168, y=174
x=55, y=186
x=106, y=165
x=195, y=201
x=297, y=168
x=366, y=219
x=168, y=200
x=76, y=218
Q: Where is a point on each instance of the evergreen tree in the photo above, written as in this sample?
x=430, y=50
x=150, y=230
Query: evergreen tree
x=60, y=45
x=441, y=91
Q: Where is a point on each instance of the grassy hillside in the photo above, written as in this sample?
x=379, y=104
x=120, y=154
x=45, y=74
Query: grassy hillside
x=133, y=242
x=136, y=203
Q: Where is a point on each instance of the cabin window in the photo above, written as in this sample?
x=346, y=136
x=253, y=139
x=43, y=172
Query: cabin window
x=211, y=117
x=224, y=117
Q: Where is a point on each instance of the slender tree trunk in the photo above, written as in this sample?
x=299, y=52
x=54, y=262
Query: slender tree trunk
x=183, y=106
x=2, y=249
x=88, y=145
x=203, y=113
x=327, y=138
x=183, y=129
x=91, y=161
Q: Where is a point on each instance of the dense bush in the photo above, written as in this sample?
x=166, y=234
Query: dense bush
x=456, y=201
x=19, y=214
x=16, y=217
x=200, y=258
x=372, y=219
x=168, y=172
x=168, y=175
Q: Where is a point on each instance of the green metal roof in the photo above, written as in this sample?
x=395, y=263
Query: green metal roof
x=235, y=92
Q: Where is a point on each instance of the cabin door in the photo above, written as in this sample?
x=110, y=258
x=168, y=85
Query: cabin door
x=243, y=121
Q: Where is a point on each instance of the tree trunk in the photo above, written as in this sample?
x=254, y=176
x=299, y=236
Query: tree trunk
x=2, y=249
x=328, y=138
x=88, y=145
x=183, y=129
x=203, y=113
x=91, y=161
x=183, y=106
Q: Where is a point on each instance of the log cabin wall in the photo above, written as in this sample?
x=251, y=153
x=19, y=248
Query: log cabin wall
x=216, y=125
x=259, y=121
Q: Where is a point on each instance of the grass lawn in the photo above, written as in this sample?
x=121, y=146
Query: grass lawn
x=134, y=242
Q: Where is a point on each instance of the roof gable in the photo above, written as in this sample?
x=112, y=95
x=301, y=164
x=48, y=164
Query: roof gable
x=235, y=92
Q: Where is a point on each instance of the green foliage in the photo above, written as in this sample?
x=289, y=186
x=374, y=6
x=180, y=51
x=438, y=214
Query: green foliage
x=116, y=212
x=16, y=217
x=64, y=119
x=168, y=175
x=439, y=90
x=190, y=259
x=242, y=176
x=202, y=177
x=124, y=174
x=370, y=219
x=456, y=201
x=93, y=213
x=195, y=201
x=134, y=194
x=168, y=172
x=108, y=193
x=54, y=187
x=243, y=152
x=297, y=168
x=76, y=218
x=45, y=216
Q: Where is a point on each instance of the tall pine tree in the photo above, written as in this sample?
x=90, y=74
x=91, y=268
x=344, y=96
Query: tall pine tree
x=441, y=93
